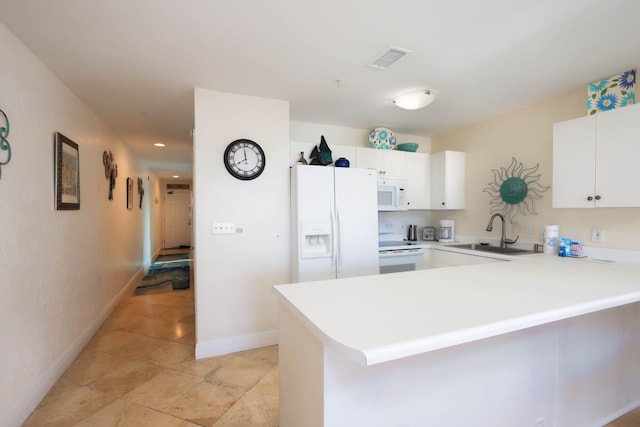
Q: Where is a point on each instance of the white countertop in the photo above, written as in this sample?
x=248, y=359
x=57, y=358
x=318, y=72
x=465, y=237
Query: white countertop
x=376, y=319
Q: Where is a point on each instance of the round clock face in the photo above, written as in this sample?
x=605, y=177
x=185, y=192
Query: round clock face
x=244, y=159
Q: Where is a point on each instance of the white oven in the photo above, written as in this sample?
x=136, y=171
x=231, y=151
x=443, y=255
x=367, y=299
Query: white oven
x=399, y=256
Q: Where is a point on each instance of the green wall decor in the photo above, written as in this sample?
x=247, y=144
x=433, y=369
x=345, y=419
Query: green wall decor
x=4, y=144
x=514, y=190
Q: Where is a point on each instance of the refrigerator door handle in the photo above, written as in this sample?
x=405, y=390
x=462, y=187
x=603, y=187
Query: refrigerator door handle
x=334, y=257
x=339, y=255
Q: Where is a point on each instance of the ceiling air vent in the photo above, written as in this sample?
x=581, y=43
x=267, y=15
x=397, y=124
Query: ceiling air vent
x=389, y=57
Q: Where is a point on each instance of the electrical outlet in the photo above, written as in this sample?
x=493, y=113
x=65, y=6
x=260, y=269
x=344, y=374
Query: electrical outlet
x=223, y=228
x=528, y=232
x=597, y=235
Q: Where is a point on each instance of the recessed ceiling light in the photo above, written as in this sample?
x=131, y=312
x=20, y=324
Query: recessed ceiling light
x=159, y=144
x=414, y=100
x=176, y=176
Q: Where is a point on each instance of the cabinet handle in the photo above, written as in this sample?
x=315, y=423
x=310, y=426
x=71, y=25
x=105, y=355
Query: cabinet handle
x=598, y=197
x=589, y=198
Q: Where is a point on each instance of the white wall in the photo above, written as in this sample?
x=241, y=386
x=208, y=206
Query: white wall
x=527, y=135
x=62, y=271
x=234, y=274
x=153, y=219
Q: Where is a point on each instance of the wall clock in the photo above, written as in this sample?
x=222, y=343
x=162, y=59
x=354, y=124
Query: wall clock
x=244, y=159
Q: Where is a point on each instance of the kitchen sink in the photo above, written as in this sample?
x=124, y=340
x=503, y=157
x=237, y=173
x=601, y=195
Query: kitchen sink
x=493, y=249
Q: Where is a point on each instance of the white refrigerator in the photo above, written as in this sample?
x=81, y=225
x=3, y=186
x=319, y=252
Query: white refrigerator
x=334, y=217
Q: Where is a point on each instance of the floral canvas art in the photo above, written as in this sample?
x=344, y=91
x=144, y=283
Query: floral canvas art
x=612, y=92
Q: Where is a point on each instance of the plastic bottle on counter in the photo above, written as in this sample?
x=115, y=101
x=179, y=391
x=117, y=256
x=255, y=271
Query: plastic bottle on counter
x=551, y=235
x=564, y=247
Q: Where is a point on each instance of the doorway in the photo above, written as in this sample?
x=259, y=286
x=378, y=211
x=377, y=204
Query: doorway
x=177, y=218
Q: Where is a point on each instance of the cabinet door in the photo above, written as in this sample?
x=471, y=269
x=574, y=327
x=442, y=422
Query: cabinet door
x=390, y=164
x=447, y=180
x=418, y=180
x=574, y=163
x=617, y=155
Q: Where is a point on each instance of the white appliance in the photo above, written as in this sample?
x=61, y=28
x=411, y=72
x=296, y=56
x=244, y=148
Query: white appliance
x=397, y=255
x=334, y=222
x=447, y=231
x=392, y=195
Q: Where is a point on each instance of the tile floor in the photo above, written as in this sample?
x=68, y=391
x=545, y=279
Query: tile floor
x=630, y=419
x=139, y=370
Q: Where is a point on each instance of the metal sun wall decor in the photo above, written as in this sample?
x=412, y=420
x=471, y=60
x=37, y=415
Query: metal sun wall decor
x=514, y=189
x=4, y=144
x=110, y=171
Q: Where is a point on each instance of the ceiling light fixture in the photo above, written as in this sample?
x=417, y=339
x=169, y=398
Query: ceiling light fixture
x=159, y=144
x=176, y=176
x=415, y=100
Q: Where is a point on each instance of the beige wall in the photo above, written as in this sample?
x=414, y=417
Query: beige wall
x=340, y=135
x=527, y=135
x=60, y=271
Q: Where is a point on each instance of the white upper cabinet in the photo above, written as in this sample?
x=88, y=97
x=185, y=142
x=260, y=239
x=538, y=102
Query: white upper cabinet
x=447, y=180
x=574, y=163
x=390, y=164
x=418, y=180
x=593, y=158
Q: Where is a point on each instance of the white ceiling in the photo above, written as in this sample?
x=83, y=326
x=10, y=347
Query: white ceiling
x=136, y=62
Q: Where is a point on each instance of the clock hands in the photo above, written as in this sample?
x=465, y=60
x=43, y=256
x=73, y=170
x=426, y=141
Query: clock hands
x=244, y=152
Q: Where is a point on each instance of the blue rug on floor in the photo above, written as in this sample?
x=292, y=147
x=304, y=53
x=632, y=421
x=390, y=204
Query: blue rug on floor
x=171, y=261
x=166, y=279
x=171, y=257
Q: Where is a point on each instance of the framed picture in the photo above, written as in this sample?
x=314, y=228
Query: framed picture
x=67, y=173
x=129, y=193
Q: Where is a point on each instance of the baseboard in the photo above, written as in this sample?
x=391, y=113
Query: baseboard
x=630, y=407
x=19, y=414
x=148, y=263
x=234, y=344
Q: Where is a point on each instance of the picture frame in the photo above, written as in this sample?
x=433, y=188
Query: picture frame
x=67, y=173
x=129, y=193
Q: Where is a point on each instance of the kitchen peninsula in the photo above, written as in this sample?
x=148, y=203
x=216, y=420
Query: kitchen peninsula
x=537, y=341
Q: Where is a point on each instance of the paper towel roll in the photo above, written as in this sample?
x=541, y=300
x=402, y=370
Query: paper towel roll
x=551, y=236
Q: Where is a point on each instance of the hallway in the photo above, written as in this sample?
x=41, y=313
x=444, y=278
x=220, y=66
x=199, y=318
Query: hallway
x=139, y=370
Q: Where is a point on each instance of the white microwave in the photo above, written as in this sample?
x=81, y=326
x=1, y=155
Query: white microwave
x=392, y=195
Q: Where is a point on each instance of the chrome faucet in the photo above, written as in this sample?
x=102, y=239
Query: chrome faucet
x=503, y=238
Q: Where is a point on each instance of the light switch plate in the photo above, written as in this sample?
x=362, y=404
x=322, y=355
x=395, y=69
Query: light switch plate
x=223, y=228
